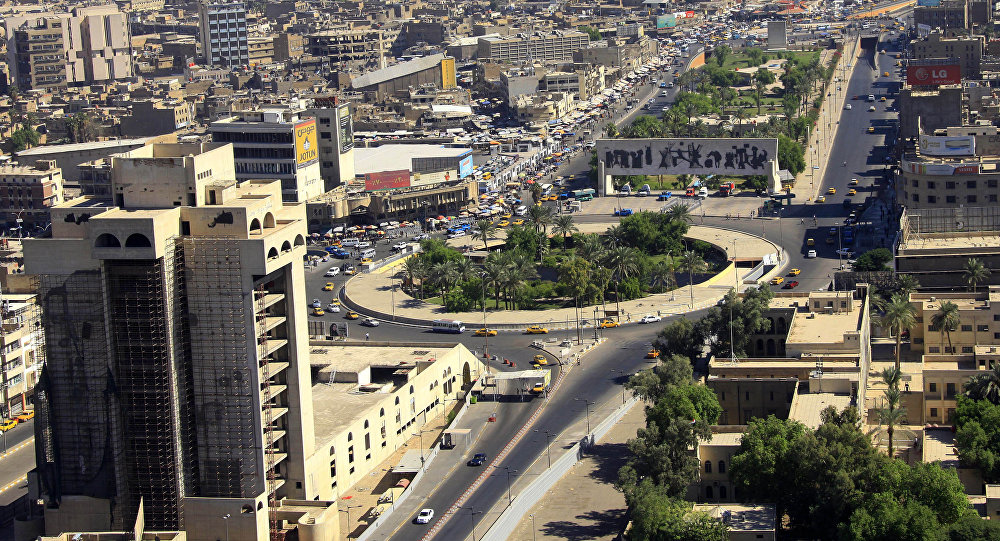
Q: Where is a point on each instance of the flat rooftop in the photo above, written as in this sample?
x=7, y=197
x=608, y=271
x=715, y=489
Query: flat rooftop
x=742, y=518
x=724, y=439
x=823, y=328
x=399, y=157
x=337, y=405
x=950, y=241
x=45, y=150
x=807, y=407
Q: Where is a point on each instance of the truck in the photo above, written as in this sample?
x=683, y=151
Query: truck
x=727, y=189
x=538, y=381
x=584, y=195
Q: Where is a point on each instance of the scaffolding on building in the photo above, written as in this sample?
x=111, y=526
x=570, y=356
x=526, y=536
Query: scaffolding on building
x=915, y=223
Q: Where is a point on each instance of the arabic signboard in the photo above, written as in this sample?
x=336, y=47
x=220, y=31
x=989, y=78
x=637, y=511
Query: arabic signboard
x=387, y=180
x=346, y=128
x=306, y=149
x=940, y=169
x=946, y=74
x=666, y=21
x=465, y=166
x=960, y=145
x=693, y=156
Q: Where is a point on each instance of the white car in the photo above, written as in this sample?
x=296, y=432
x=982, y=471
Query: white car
x=425, y=516
x=871, y=108
x=845, y=252
x=333, y=308
x=369, y=322
x=422, y=236
x=848, y=107
x=399, y=246
x=364, y=244
x=332, y=271
x=316, y=303
x=811, y=254
x=650, y=319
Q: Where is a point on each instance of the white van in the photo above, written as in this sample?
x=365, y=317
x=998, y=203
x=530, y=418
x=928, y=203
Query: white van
x=369, y=253
x=703, y=192
x=521, y=211
x=349, y=243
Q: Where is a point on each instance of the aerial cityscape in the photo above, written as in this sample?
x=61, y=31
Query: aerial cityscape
x=645, y=270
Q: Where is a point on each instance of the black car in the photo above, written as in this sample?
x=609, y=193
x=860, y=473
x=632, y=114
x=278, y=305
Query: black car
x=477, y=460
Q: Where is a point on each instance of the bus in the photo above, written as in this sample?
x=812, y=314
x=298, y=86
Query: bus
x=546, y=190
x=448, y=326
x=584, y=195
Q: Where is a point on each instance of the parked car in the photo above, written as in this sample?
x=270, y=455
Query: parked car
x=811, y=254
x=623, y=212
x=650, y=319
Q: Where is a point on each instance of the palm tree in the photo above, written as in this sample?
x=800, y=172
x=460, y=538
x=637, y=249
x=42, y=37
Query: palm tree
x=493, y=269
x=536, y=192
x=907, y=283
x=590, y=248
x=443, y=275
x=662, y=274
x=946, y=320
x=540, y=217
x=484, y=231
x=891, y=415
x=986, y=385
x=415, y=269
x=680, y=213
x=624, y=264
x=615, y=236
x=564, y=226
x=692, y=262
x=976, y=273
x=464, y=269
x=758, y=89
x=898, y=315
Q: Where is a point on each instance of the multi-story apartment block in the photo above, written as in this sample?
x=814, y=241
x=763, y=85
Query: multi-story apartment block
x=274, y=144
x=538, y=46
x=353, y=47
x=951, y=167
x=157, y=117
x=85, y=46
x=336, y=141
x=27, y=193
x=222, y=28
x=966, y=50
x=180, y=369
x=21, y=351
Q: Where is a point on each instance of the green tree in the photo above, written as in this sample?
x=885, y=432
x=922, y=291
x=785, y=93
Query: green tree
x=977, y=437
x=758, y=93
x=485, y=230
x=762, y=469
x=973, y=528
x=24, y=137
x=679, y=338
x=563, y=225
x=906, y=284
x=883, y=517
x=645, y=127
x=755, y=55
x=892, y=413
x=985, y=385
x=747, y=315
x=656, y=516
x=624, y=264
x=874, y=260
x=947, y=320
x=764, y=76
x=975, y=273
x=415, y=268
x=898, y=315
x=791, y=155
x=595, y=34
x=721, y=53
x=662, y=275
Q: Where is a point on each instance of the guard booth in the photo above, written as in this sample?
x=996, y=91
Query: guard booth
x=455, y=436
x=686, y=155
x=520, y=384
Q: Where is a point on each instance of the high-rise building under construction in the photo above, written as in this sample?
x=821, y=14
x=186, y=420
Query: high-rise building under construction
x=176, y=383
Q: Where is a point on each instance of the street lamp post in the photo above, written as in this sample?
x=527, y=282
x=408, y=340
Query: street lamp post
x=509, y=473
x=588, y=403
x=486, y=330
x=532, y=516
x=548, y=441
x=622, y=373
x=225, y=519
x=473, y=513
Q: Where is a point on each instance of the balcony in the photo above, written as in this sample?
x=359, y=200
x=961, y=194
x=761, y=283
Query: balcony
x=270, y=392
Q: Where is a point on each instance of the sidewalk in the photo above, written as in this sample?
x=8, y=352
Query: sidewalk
x=584, y=503
x=374, y=293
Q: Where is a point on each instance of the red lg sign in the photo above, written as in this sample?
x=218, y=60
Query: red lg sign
x=934, y=75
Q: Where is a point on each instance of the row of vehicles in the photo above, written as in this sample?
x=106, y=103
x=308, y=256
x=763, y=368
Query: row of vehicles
x=24, y=416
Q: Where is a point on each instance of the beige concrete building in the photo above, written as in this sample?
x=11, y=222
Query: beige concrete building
x=353, y=47
x=22, y=350
x=953, y=167
x=157, y=117
x=583, y=83
x=88, y=45
x=28, y=192
x=213, y=383
x=222, y=29
x=336, y=140
x=967, y=50
x=935, y=245
x=339, y=206
x=535, y=46
x=744, y=522
x=274, y=143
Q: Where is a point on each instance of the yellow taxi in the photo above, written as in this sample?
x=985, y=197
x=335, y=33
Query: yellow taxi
x=318, y=312
x=366, y=260
x=821, y=199
x=831, y=191
x=810, y=242
x=505, y=216
x=538, y=388
x=794, y=272
x=26, y=415
x=540, y=359
x=536, y=329
x=328, y=287
x=519, y=221
x=852, y=191
x=351, y=271
x=335, y=301
x=7, y=424
x=653, y=353
x=885, y=74
x=777, y=280
x=486, y=332
x=352, y=315
x=503, y=223
x=608, y=324
x=871, y=129
x=883, y=98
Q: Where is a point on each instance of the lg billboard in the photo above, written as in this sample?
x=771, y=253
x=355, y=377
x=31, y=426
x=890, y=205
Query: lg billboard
x=947, y=74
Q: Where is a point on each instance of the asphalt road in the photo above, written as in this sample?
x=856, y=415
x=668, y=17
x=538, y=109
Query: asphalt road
x=18, y=457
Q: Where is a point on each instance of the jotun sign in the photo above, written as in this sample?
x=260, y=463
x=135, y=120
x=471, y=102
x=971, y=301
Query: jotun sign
x=693, y=156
